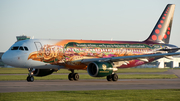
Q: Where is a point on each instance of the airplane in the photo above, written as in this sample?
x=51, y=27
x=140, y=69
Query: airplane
x=100, y=58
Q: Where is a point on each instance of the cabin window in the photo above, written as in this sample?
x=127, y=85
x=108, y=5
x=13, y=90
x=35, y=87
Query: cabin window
x=15, y=48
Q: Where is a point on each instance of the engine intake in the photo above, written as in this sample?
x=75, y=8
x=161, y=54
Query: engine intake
x=100, y=69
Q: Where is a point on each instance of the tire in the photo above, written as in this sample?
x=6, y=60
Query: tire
x=30, y=79
x=109, y=78
x=70, y=76
x=114, y=77
x=76, y=76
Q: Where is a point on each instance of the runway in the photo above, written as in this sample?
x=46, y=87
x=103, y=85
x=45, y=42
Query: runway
x=66, y=85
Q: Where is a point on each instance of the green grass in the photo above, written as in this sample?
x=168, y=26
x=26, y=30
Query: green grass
x=124, y=70
x=96, y=95
x=86, y=76
x=13, y=71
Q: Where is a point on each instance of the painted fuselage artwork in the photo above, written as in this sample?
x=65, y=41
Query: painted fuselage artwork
x=69, y=51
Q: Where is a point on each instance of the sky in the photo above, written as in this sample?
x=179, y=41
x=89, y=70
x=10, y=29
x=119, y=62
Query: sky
x=123, y=20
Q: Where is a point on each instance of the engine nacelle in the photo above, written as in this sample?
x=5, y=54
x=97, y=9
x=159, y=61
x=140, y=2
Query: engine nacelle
x=42, y=72
x=100, y=69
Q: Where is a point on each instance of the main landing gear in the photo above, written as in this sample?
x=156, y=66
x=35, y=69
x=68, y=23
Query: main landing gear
x=112, y=77
x=30, y=77
x=73, y=76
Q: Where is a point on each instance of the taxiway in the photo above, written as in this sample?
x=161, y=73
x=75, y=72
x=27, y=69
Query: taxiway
x=66, y=85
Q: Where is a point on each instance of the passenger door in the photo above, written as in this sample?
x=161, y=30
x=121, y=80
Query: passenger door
x=39, y=49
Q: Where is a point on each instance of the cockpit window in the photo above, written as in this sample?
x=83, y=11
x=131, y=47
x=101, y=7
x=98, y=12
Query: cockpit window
x=25, y=48
x=15, y=48
x=21, y=48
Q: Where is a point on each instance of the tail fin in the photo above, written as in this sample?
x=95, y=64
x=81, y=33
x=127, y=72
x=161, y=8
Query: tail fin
x=162, y=30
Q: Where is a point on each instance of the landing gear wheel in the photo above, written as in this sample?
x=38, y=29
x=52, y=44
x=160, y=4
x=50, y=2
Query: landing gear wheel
x=114, y=77
x=70, y=76
x=109, y=77
x=30, y=79
x=73, y=76
x=76, y=76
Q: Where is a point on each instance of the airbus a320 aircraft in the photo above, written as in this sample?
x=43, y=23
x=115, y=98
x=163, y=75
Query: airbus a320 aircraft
x=99, y=58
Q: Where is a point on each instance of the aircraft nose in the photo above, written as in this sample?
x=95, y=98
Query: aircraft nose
x=8, y=58
x=4, y=58
x=13, y=58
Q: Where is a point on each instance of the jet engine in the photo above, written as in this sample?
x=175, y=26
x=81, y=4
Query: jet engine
x=100, y=69
x=42, y=72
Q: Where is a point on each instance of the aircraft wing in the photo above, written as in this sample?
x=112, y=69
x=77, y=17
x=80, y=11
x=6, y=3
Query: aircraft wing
x=126, y=58
x=169, y=49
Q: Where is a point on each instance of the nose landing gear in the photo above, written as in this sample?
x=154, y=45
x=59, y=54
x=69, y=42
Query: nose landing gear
x=30, y=77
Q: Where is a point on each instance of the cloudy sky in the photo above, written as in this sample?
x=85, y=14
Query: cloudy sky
x=130, y=20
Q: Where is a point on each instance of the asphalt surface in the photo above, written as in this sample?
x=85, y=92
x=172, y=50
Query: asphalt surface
x=66, y=85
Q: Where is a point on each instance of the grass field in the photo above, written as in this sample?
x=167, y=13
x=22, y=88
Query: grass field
x=86, y=76
x=96, y=95
x=124, y=70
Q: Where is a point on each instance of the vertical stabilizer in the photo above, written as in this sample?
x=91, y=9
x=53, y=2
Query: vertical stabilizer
x=162, y=30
